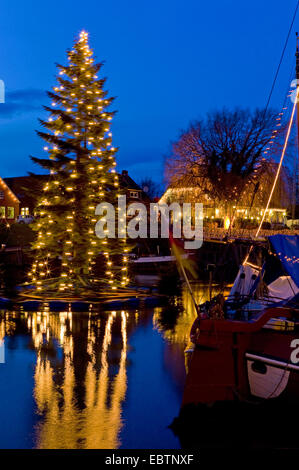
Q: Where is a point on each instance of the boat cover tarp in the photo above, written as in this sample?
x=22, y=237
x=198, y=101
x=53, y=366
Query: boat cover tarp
x=287, y=249
x=244, y=281
x=283, y=288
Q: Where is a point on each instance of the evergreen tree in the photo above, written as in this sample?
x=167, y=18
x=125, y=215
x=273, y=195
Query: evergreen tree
x=81, y=162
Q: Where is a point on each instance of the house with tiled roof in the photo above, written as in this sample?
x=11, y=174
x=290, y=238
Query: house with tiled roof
x=9, y=203
x=133, y=191
x=21, y=187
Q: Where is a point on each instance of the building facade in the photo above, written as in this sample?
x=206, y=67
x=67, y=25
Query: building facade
x=220, y=212
x=9, y=203
x=23, y=188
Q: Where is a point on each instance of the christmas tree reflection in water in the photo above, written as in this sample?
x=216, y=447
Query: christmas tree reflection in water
x=86, y=380
x=78, y=391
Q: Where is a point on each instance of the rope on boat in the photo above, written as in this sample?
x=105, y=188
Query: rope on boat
x=282, y=56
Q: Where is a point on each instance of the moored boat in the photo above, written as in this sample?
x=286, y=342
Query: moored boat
x=247, y=345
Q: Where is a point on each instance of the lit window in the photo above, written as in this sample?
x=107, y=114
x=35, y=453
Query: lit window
x=134, y=194
x=24, y=210
x=2, y=212
x=1, y=194
x=10, y=212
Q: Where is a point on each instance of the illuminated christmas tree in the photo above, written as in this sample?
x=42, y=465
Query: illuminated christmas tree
x=81, y=163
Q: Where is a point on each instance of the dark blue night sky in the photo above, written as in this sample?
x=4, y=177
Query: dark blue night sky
x=167, y=61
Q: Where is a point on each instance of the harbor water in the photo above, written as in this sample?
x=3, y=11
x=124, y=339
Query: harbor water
x=102, y=380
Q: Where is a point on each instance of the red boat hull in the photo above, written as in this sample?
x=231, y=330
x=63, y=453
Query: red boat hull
x=242, y=360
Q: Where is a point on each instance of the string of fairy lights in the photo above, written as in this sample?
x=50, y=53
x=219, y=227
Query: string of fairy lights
x=84, y=118
x=280, y=116
x=275, y=131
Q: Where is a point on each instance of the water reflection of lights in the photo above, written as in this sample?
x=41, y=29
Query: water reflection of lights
x=79, y=391
x=7, y=324
x=179, y=331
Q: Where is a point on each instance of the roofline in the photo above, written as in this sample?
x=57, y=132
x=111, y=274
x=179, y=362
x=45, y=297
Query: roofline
x=9, y=190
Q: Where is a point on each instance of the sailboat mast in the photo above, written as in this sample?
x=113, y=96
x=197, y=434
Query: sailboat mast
x=296, y=173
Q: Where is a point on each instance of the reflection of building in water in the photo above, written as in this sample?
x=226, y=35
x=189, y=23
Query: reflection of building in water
x=80, y=378
x=174, y=321
x=185, y=314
